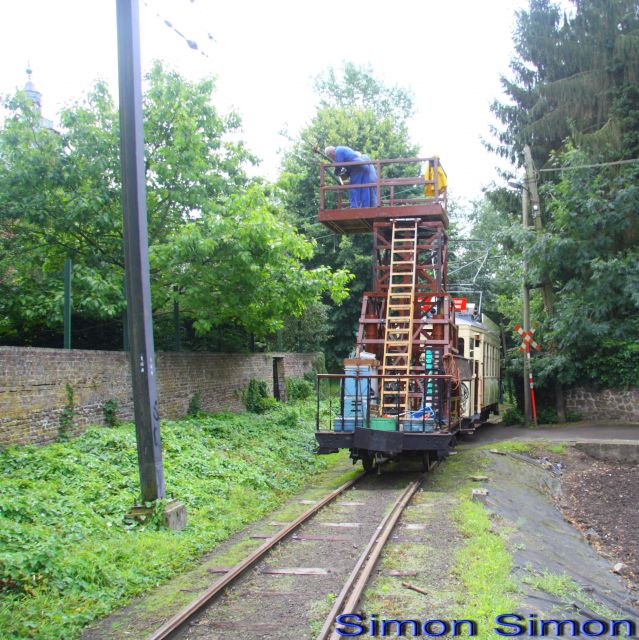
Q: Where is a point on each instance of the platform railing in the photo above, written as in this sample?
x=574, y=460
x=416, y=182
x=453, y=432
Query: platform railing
x=389, y=189
x=331, y=403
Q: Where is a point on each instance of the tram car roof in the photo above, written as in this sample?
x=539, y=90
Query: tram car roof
x=470, y=317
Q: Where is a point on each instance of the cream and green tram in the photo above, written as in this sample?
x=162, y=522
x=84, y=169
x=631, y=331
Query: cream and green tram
x=479, y=343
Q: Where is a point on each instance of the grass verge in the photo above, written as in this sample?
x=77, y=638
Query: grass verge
x=483, y=564
x=68, y=556
x=565, y=588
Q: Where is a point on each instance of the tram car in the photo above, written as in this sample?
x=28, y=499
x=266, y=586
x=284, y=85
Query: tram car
x=402, y=392
x=478, y=341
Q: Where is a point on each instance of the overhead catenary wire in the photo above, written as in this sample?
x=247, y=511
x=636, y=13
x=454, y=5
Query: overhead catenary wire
x=192, y=44
x=588, y=166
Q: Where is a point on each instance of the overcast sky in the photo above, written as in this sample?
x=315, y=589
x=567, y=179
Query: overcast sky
x=265, y=54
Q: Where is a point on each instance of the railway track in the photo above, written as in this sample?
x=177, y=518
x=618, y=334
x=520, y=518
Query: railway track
x=352, y=591
x=191, y=621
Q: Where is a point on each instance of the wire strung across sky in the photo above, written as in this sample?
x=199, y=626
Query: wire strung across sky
x=192, y=44
x=588, y=166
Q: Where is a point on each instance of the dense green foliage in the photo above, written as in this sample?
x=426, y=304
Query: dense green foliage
x=574, y=74
x=356, y=110
x=590, y=253
x=573, y=99
x=298, y=389
x=220, y=246
x=67, y=554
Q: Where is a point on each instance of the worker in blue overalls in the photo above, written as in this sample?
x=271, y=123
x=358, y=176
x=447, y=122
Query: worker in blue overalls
x=358, y=174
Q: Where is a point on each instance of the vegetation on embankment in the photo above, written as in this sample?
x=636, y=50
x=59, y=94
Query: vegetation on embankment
x=483, y=563
x=67, y=553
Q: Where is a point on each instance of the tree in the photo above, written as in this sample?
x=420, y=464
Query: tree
x=309, y=332
x=589, y=251
x=573, y=76
x=573, y=98
x=359, y=111
x=241, y=264
x=358, y=89
x=60, y=198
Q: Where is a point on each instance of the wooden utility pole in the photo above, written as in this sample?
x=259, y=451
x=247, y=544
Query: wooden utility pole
x=549, y=295
x=525, y=297
x=136, y=255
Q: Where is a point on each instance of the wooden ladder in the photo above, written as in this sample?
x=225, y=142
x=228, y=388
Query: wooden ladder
x=398, y=337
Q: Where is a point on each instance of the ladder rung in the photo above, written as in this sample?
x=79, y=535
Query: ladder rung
x=400, y=306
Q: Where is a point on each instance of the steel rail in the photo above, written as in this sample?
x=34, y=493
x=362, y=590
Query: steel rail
x=234, y=572
x=352, y=591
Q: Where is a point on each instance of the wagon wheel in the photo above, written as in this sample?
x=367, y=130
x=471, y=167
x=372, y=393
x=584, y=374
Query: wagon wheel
x=368, y=462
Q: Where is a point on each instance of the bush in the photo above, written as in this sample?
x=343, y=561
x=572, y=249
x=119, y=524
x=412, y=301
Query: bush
x=257, y=398
x=195, y=405
x=265, y=403
x=110, y=411
x=298, y=389
x=548, y=415
x=512, y=416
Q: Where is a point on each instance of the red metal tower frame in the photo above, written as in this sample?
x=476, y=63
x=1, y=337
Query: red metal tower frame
x=409, y=206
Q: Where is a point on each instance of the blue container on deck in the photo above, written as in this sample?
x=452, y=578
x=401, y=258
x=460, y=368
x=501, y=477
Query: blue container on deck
x=346, y=423
x=413, y=425
x=354, y=386
x=356, y=392
x=352, y=408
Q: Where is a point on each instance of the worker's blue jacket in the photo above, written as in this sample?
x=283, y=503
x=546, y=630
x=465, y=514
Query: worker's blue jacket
x=363, y=174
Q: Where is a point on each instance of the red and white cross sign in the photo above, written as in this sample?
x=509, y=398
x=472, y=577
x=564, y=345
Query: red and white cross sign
x=527, y=339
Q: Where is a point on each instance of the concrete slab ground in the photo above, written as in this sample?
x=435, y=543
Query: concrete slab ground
x=572, y=432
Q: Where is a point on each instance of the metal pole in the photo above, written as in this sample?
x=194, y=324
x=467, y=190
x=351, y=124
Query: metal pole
x=125, y=322
x=525, y=295
x=532, y=387
x=317, y=412
x=136, y=258
x=68, y=267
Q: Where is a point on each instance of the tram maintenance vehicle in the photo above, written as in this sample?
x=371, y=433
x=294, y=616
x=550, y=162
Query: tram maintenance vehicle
x=420, y=374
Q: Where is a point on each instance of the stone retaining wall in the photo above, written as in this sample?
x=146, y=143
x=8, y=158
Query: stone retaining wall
x=605, y=404
x=34, y=384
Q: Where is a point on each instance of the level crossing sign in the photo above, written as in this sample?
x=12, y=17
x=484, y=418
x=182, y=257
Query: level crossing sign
x=527, y=340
